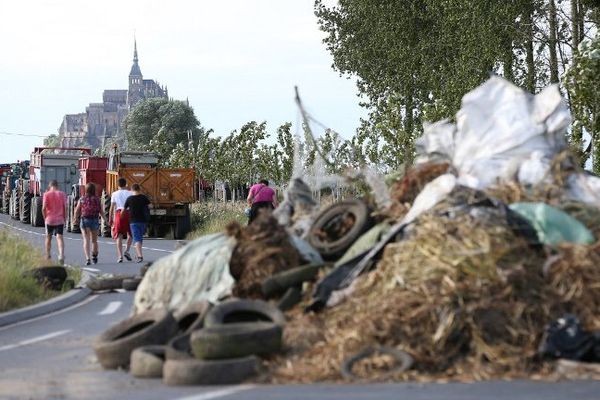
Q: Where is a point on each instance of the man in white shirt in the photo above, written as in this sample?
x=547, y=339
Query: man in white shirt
x=118, y=218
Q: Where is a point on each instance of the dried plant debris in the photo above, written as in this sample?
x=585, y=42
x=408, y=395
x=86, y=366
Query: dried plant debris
x=263, y=249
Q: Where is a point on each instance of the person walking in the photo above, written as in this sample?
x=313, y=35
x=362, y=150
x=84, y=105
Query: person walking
x=260, y=196
x=118, y=218
x=88, y=208
x=138, y=206
x=54, y=210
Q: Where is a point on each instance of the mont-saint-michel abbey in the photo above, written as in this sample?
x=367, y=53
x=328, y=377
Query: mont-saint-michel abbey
x=102, y=121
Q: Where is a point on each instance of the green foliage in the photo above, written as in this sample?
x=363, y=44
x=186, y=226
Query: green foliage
x=16, y=257
x=52, y=141
x=583, y=83
x=212, y=217
x=159, y=125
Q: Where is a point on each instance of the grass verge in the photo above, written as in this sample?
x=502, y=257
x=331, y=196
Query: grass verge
x=212, y=217
x=16, y=288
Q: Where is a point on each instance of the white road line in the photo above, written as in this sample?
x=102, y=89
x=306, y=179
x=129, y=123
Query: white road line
x=88, y=269
x=120, y=290
x=111, y=308
x=218, y=393
x=84, y=302
x=79, y=240
x=34, y=340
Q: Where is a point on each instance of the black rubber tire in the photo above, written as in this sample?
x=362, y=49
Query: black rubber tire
x=291, y=297
x=192, y=316
x=179, y=348
x=5, y=203
x=235, y=311
x=183, y=225
x=145, y=268
x=236, y=340
x=279, y=283
x=131, y=283
x=147, y=361
x=113, y=348
x=112, y=283
x=25, y=208
x=404, y=360
x=331, y=250
x=37, y=219
x=105, y=205
x=210, y=372
x=52, y=277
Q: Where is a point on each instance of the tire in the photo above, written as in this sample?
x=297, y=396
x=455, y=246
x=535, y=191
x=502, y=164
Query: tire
x=113, y=348
x=105, y=205
x=179, y=348
x=37, y=219
x=209, y=372
x=145, y=268
x=26, y=208
x=5, y=203
x=192, y=316
x=147, y=361
x=404, y=360
x=243, y=311
x=333, y=247
x=112, y=283
x=279, y=283
x=291, y=297
x=15, y=204
x=131, y=283
x=183, y=225
x=236, y=340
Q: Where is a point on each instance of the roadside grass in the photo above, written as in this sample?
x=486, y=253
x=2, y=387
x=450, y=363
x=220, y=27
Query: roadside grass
x=212, y=217
x=17, y=289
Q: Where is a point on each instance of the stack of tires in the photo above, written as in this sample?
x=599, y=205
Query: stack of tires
x=204, y=345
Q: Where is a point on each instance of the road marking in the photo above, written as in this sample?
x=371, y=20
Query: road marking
x=218, y=393
x=120, y=290
x=88, y=269
x=34, y=340
x=84, y=302
x=79, y=240
x=111, y=308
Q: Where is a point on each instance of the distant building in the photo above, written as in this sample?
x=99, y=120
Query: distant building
x=105, y=120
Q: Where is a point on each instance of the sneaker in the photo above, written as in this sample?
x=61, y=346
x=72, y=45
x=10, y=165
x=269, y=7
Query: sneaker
x=95, y=258
x=61, y=261
x=139, y=259
x=127, y=256
x=119, y=260
x=88, y=262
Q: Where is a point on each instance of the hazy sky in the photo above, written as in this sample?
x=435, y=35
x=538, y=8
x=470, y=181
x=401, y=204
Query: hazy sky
x=236, y=60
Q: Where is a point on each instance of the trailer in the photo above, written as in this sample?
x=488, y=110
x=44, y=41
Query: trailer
x=47, y=164
x=92, y=169
x=170, y=190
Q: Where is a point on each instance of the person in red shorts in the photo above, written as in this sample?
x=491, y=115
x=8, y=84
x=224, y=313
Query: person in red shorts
x=54, y=210
x=118, y=218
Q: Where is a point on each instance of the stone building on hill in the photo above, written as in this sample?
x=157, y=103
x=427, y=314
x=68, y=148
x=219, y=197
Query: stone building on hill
x=102, y=121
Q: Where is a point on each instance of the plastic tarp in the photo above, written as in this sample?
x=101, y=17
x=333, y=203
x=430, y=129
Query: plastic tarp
x=501, y=133
x=552, y=225
x=198, y=271
x=306, y=251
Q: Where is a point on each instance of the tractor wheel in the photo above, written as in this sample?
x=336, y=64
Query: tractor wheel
x=26, y=208
x=183, y=225
x=105, y=205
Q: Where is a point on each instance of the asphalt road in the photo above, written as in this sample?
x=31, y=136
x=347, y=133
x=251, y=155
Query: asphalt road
x=50, y=357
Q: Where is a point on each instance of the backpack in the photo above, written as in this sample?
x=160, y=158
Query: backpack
x=90, y=206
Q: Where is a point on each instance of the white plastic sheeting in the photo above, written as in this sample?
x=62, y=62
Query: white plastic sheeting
x=198, y=271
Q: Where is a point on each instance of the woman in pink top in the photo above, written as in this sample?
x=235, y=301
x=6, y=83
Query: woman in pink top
x=260, y=196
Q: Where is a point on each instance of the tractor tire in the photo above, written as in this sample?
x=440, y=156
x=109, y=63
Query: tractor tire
x=14, y=201
x=5, y=203
x=26, y=209
x=37, y=219
x=179, y=348
x=192, y=316
x=147, y=361
x=183, y=225
x=105, y=206
x=114, y=347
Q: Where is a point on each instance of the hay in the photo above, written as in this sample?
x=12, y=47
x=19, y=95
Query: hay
x=466, y=296
x=263, y=249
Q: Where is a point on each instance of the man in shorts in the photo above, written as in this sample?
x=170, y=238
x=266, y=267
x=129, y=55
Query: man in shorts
x=54, y=210
x=138, y=206
x=118, y=218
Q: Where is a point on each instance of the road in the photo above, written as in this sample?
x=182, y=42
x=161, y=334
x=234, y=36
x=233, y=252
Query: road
x=50, y=357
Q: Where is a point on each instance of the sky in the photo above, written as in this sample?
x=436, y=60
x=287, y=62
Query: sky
x=235, y=60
